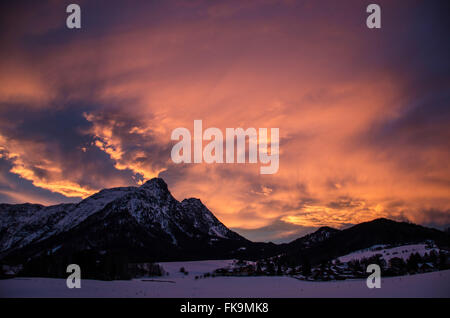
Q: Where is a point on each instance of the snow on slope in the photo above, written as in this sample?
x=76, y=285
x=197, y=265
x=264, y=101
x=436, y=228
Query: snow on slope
x=204, y=219
x=28, y=223
x=387, y=253
x=151, y=205
x=434, y=284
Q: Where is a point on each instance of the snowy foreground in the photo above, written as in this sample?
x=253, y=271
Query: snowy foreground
x=176, y=284
x=387, y=253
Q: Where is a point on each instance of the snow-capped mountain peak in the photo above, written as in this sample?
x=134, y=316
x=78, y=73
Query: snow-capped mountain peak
x=155, y=186
x=205, y=220
x=142, y=214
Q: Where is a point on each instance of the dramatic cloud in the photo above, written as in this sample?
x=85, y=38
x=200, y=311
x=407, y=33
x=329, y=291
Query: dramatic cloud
x=363, y=114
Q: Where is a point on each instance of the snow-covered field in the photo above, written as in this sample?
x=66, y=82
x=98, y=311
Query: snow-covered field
x=403, y=252
x=176, y=284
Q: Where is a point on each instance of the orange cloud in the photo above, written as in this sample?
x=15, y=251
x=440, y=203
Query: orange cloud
x=19, y=156
x=344, y=155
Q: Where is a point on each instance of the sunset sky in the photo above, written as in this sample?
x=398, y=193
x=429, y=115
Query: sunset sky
x=363, y=114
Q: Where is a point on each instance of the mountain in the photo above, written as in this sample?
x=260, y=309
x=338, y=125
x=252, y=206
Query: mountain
x=143, y=223
x=23, y=224
x=328, y=243
x=322, y=234
x=119, y=226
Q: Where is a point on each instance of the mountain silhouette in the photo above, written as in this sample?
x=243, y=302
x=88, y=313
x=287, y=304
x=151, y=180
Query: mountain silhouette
x=147, y=224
